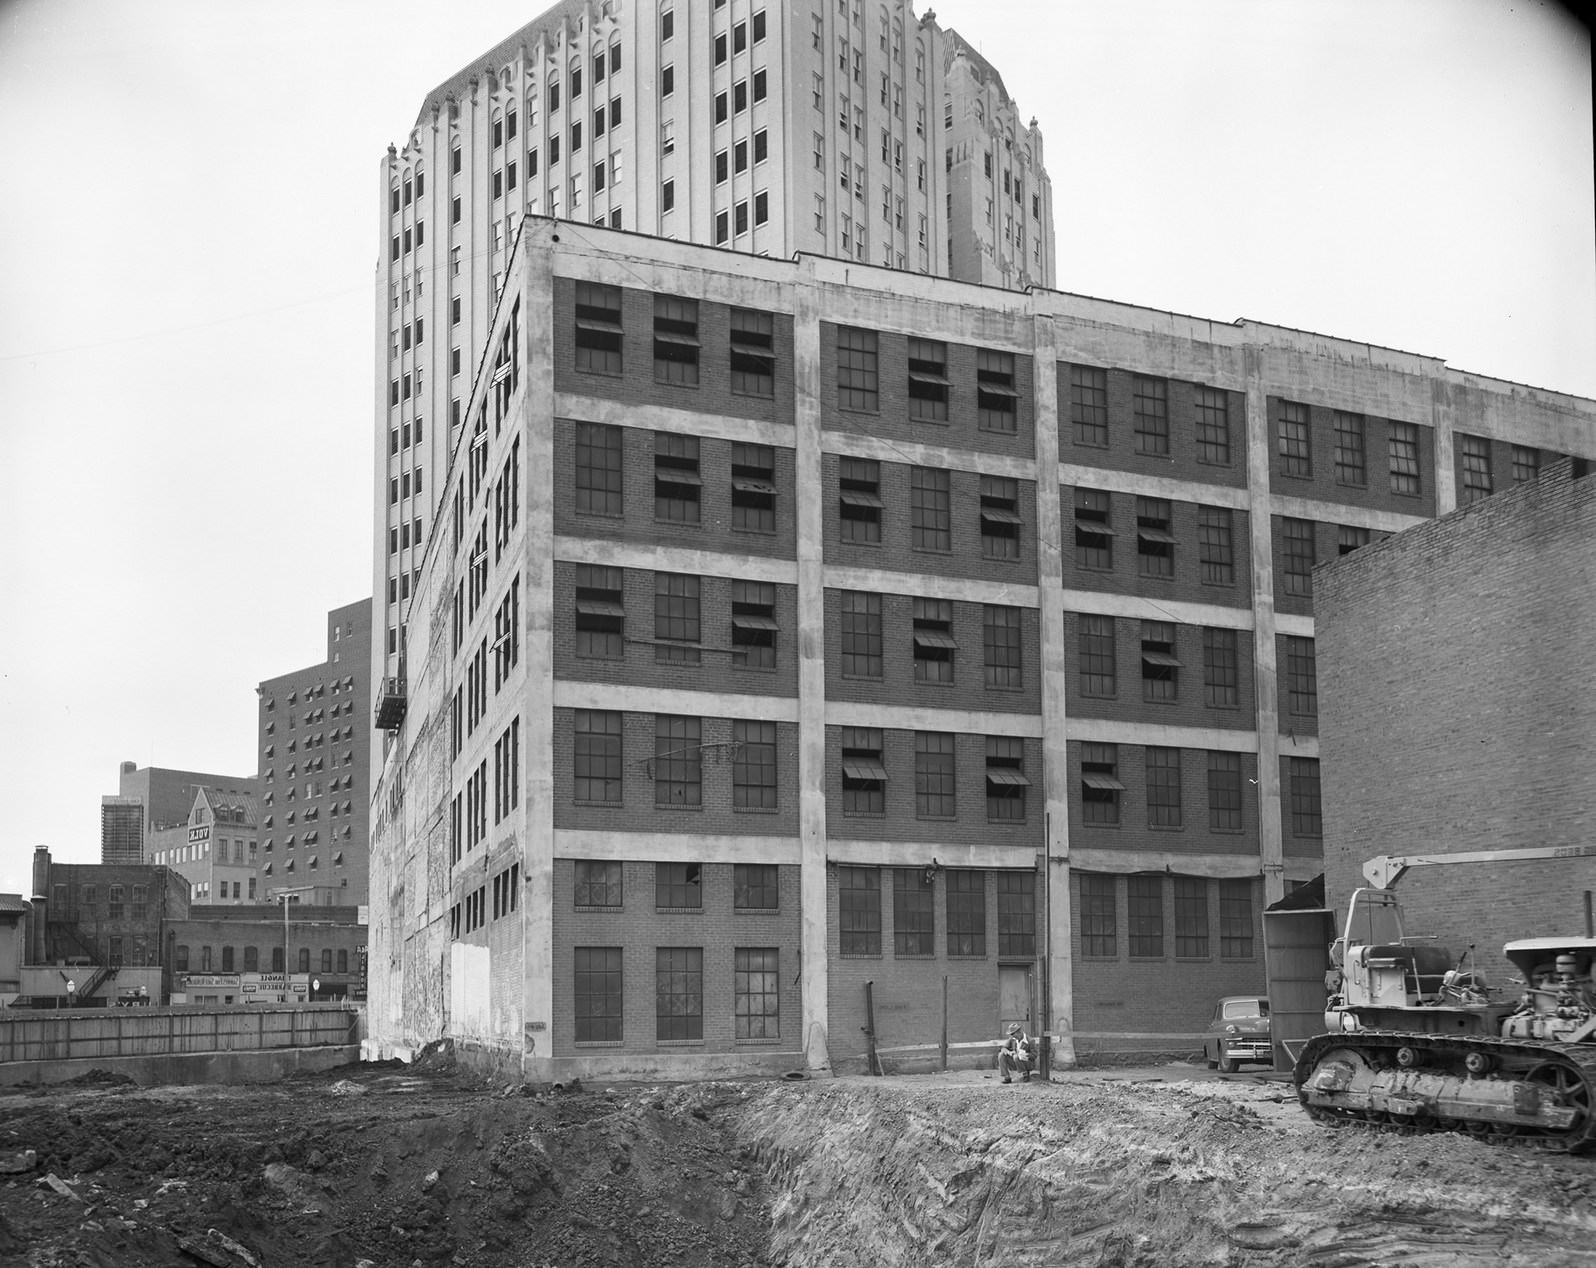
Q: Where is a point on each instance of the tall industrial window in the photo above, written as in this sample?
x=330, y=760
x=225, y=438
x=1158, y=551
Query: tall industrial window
x=1098, y=670
x=597, y=994
x=864, y=776
x=928, y=380
x=597, y=756
x=966, y=901
x=1191, y=917
x=753, y=492
x=1235, y=919
x=754, y=765
x=598, y=328
x=859, y=499
x=598, y=469
x=1160, y=664
x=930, y=509
x=675, y=340
x=935, y=775
x=1351, y=468
x=1144, y=905
x=1305, y=820
x=1089, y=405
x=860, y=632
x=1296, y=449
x=1000, y=645
x=1100, y=785
x=997, y=402
x=1000, y=517
x=678, y=993
x=1405, y=458
x=934, y=645
x=753, y=621
x=1526, y=464
x=1348, y=539
x=1475, y=452
x=1297, y=555
x=1302, y=691
x=1224, y=792
x=1005, y=779
x=600, y=612
x=597, y=883
x=1099, y=916
x=1150, y=414
x=756, y=887
x=1213, y=426
x=678, y=760
x=1094, y=534
x=857, y=372
x=913, y=912
x=1155, y=544
x=677, y=483
x=1221, y=672
x=677, y=630
x=1215, y=551
x=1163, y=787
x=859, y=910
x=678, y=886
x=1016, y=914
x=756, y=991
x=753, y=355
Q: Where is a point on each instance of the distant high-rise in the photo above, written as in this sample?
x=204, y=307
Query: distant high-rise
x=167, y=797
x=121, y=830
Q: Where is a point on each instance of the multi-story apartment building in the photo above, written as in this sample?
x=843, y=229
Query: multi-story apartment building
x=765, y=126
x=795, y=633
x=314, y=743
x=217, y=851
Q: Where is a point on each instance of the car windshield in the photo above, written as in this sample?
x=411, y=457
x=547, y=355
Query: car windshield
x=1247, y=1008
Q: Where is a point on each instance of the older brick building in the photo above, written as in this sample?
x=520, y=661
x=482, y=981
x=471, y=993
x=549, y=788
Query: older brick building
x=793, y=628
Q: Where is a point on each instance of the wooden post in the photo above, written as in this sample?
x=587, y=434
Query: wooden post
x=873, y=1062
x=944, y=1023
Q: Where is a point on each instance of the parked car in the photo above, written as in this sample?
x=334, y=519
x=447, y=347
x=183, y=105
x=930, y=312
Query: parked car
x=1238, y=1032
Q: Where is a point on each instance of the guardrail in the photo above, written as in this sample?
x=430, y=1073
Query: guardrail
x=93, y=1034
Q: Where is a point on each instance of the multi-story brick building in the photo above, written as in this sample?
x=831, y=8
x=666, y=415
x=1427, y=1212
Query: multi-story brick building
x=762, y=126
x=793, y=630
x=237, y=955
x=217, y=851
x=1453, y=669
x=167, y=797
x=314, y=745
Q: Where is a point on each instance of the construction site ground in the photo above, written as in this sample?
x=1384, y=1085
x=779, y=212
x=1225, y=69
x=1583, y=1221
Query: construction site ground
x=425, y=1165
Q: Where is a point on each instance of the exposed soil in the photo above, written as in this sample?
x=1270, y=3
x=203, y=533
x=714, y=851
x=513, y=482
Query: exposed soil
x=423, y=1165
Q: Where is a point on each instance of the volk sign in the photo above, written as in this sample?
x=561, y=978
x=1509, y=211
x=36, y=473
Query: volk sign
x=201, y=833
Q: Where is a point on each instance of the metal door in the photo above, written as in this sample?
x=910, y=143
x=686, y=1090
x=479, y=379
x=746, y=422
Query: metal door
x=1296, y=955
x=1014, y=997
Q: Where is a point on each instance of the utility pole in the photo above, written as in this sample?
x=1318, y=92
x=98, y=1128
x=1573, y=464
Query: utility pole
x=285, y=896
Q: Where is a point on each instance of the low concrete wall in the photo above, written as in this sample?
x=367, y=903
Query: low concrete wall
x=197, y=1067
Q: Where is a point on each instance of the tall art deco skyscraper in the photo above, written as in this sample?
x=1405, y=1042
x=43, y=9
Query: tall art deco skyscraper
x=776, y=127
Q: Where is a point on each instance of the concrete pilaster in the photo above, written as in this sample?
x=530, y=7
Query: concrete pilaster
x=1259, y=449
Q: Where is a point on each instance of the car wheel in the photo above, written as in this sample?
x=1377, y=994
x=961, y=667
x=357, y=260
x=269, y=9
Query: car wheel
x=1228, y=1065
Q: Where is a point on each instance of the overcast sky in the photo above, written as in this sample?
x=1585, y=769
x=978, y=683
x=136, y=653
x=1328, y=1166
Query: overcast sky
x=188, y=233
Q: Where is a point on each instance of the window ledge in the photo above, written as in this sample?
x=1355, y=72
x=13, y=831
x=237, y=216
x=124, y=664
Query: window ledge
x=680, y=1043
x=859, y=955
x=756, y=810
x=599, y=1043
x=767, y=1042
x=671, y=805
x=756, y=911
x=602, y=911
x=679, y=911
x=914, y=955
x=607, y=805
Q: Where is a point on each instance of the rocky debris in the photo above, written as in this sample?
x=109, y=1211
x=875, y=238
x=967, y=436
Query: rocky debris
x=15, y=1164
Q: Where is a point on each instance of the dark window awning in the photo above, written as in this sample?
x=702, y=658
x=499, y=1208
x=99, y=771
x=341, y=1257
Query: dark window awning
x=858, y=497
x=677, y=475
x=935, y=638
x=1160, y=658
x=855, y=768
x=1106, y=782
x=1001, y=515
x=746, y=484
x=1154, y=534
x=748, y=621
x=600, y=607
x=1006, y=775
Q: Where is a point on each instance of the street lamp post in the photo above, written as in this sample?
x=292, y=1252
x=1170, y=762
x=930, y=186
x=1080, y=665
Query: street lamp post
x=285, y=896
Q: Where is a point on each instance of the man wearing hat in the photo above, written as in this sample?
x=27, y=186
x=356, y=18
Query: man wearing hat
x=1015, y=1054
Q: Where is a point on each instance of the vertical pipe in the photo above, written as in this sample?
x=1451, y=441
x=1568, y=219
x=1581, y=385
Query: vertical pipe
x=1590, y=926
x=944, y=1023
x=872, y=1062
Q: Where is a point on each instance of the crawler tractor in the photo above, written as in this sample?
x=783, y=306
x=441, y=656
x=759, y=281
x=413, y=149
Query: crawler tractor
x=1419, y=1042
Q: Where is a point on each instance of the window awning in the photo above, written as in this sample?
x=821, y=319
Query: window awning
x=1006, y=775
x=1001, y=515
x=665, y=336
x=1106, y=782
x=1154, y=534
x=856, y=768
x=747, y=484
x=1160, y=658
x=599, y=607
x=612, y=325
x=750, y=621
x=1094, y=527
x=677, y=475
x=935, y=638
x=928, y=376
x=996, y=389
x=858, y=497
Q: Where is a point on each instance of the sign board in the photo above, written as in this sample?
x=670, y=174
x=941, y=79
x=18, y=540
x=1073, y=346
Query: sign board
x=201, y=833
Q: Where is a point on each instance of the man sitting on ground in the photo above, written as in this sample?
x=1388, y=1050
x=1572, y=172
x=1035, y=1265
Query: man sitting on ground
x=1015, y=1054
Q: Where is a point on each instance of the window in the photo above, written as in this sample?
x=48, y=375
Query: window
x=966, y=908
x=1097, y=660
x=756, y=887
x=598, y=328
x=1099, y=916
x=600, y=612
x=1089, y=405
x=1100, y=786
x=676, y=478
x=597, y=994
x=913, y=912
x=667, y=81
x=1160, y=664
x=1094, y=538
x=720, y=48
x=1297, y=556
x=1304, y=773
x=928, y=380
x=1016, y=915
x=720, y=107
x=1302, y=692
x=996, y=399
x=304, y=959
x=856, y=369
x=597, y=756
x=930, y=509
x=598, y=883
x=676, y=618
x=1405, y=458
x=678, y=993
x=859, y=910
x=1475, y=453
x=1296, y=452
x=1350, y=467
x=1150, y=414
x=1526, y=464
x=1191, y=917
x=1221, y=674
x=761, y=204
x=1144, y=905
x=754, y=765
x=753, y=360
x=1348, y=539
x=860, y=633
x=252, y=957
x=1005, y=779
x=1213, y=426
x=675, y=340
x=1235, y=919
x=934, y=775
x=678, y=886
x=667, y=196
x=761, y=86
x=722, y=167
x=1214, y=550
x=1224, y=792
x=934, y=644
x=722, y=227
x=1000, y=646
x=1155, y=544
x=753, y=620
x=1163, y=787
x=1000, y=517
x=753, y=492
x=756, y=989
x=678, y=761
x=859, y=495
